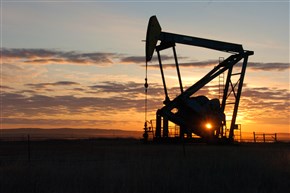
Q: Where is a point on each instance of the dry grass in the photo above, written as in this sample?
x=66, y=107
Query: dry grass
x=130, y=166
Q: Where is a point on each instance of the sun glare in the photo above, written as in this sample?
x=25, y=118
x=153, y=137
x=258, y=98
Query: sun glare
x=208, y=126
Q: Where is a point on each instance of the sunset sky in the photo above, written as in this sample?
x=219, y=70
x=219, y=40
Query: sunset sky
x=80, y=64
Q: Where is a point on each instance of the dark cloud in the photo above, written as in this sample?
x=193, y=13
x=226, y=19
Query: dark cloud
x=45, y=56
x=265, y=106
x=79, y=89
x=141, y=59
x=128, y=89
x=64, y=83
x=255, y=66
x=274, y=66
x=201, y=64
x=272, y=100
x=134, y=59
x=2, y=87
x=52, y=105
x=108, y=86
x=265, y=93
x=44, y=85
x=28, y=53
x=123, y=97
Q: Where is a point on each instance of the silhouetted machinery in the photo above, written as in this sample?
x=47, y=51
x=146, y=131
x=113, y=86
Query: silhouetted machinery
x=196, y=114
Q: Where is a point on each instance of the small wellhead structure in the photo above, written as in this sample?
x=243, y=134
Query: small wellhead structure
x=194, y=115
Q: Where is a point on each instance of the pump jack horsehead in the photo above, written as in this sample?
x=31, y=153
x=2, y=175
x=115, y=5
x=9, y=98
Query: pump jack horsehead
x=197, y=114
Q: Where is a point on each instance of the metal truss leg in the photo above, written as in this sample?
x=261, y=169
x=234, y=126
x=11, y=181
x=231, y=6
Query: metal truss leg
x=165, y=127
x=158, y=125
x=238, y=96
x=167, y=100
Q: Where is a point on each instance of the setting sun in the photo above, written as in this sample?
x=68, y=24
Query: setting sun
x=208, y=126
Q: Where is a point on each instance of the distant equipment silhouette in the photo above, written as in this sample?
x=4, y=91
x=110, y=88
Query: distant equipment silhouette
x=195, y=115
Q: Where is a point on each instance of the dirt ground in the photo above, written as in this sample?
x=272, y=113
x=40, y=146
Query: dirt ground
x=128, y=165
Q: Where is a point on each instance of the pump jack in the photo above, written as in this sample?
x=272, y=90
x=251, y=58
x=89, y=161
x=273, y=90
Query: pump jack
x=197, y=115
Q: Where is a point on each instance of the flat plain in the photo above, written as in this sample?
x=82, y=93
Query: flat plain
x=128, y=165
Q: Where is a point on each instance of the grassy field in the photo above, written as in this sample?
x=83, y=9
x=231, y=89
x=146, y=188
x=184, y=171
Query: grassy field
x=124, y=165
